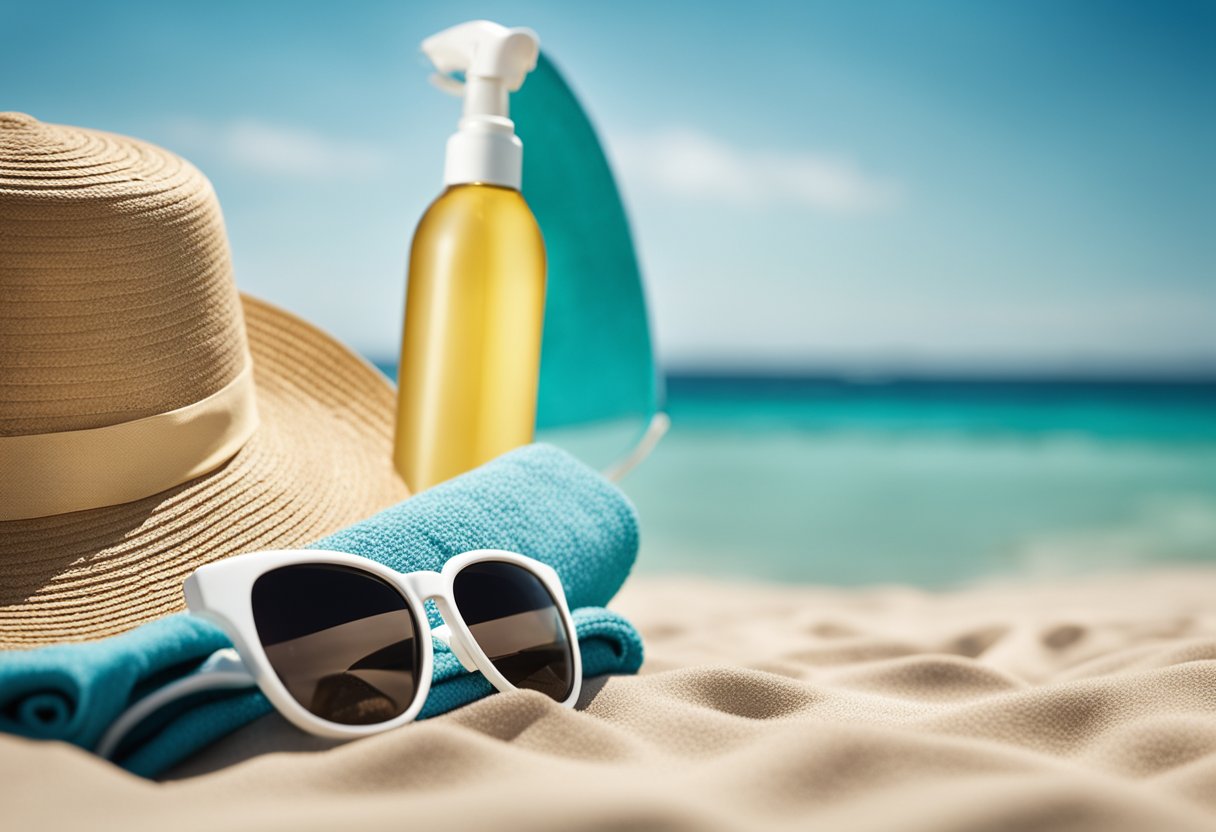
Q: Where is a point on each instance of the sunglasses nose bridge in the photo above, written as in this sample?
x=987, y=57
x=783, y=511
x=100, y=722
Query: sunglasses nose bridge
x=453, y=642
x=426, y=585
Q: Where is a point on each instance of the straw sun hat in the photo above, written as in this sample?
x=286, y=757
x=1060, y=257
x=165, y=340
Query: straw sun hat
x=152, y=419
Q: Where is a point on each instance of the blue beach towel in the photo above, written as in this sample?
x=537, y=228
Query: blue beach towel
x=537, y=500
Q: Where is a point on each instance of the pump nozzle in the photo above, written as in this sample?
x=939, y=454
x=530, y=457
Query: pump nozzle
x=483, y=49
x=495, y=60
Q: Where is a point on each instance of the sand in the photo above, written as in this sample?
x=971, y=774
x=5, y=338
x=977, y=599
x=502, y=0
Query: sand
x=1086, y=704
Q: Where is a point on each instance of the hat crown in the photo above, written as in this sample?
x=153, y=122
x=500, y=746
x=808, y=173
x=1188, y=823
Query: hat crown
x=117, y=300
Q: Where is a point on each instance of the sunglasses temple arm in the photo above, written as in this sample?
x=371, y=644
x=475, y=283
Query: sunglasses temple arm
x=223, y=670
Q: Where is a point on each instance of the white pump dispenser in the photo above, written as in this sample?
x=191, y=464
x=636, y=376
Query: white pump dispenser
x=495, y=60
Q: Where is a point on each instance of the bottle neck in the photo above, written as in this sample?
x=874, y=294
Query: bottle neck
x=484, y=149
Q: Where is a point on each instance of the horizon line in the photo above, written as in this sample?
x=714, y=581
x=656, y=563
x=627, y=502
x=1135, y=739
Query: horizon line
x=1199, y=374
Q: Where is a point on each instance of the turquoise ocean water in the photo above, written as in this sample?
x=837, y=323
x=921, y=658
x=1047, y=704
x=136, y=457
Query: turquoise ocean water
x=929, y=482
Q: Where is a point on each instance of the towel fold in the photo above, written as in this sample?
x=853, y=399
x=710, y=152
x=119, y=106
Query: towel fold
x=537, y=500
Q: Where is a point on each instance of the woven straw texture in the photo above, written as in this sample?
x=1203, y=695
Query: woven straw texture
x=118, y=298
x=117, y=302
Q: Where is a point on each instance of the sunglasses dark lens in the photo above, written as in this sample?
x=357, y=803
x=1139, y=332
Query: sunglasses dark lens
x=516, y=622
x=343, y=641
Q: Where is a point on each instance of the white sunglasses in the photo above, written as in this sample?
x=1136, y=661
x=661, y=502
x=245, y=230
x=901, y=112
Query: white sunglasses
x=341, y=645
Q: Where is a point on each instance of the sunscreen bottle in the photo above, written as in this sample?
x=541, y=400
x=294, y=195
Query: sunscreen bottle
x=474, y=310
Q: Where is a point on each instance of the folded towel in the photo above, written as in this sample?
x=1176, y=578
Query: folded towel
x=537, y=500
x=73, y=692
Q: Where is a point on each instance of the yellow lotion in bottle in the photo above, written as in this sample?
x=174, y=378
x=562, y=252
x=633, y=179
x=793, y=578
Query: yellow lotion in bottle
x=470, y=357
x=470, y=353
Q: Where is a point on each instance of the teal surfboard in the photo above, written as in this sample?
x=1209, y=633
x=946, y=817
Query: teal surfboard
x=597, y=357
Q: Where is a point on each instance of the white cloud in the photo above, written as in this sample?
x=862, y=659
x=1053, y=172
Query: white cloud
x=689, y=163
x=280, y=150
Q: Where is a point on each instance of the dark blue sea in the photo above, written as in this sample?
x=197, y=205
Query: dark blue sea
x=929, y=481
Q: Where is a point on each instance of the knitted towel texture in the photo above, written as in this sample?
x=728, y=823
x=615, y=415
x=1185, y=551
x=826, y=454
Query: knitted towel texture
x=537, y=500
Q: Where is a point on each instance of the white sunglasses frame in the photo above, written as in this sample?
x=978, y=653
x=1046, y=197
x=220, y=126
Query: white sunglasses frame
x=222, y=592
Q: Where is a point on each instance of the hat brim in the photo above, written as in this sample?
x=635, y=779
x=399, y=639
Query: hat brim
x=321, y=459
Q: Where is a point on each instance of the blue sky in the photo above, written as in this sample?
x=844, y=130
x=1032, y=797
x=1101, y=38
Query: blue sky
x=953, y=185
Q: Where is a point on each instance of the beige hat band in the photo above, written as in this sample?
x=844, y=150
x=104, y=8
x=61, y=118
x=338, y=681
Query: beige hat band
x=56, y=473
